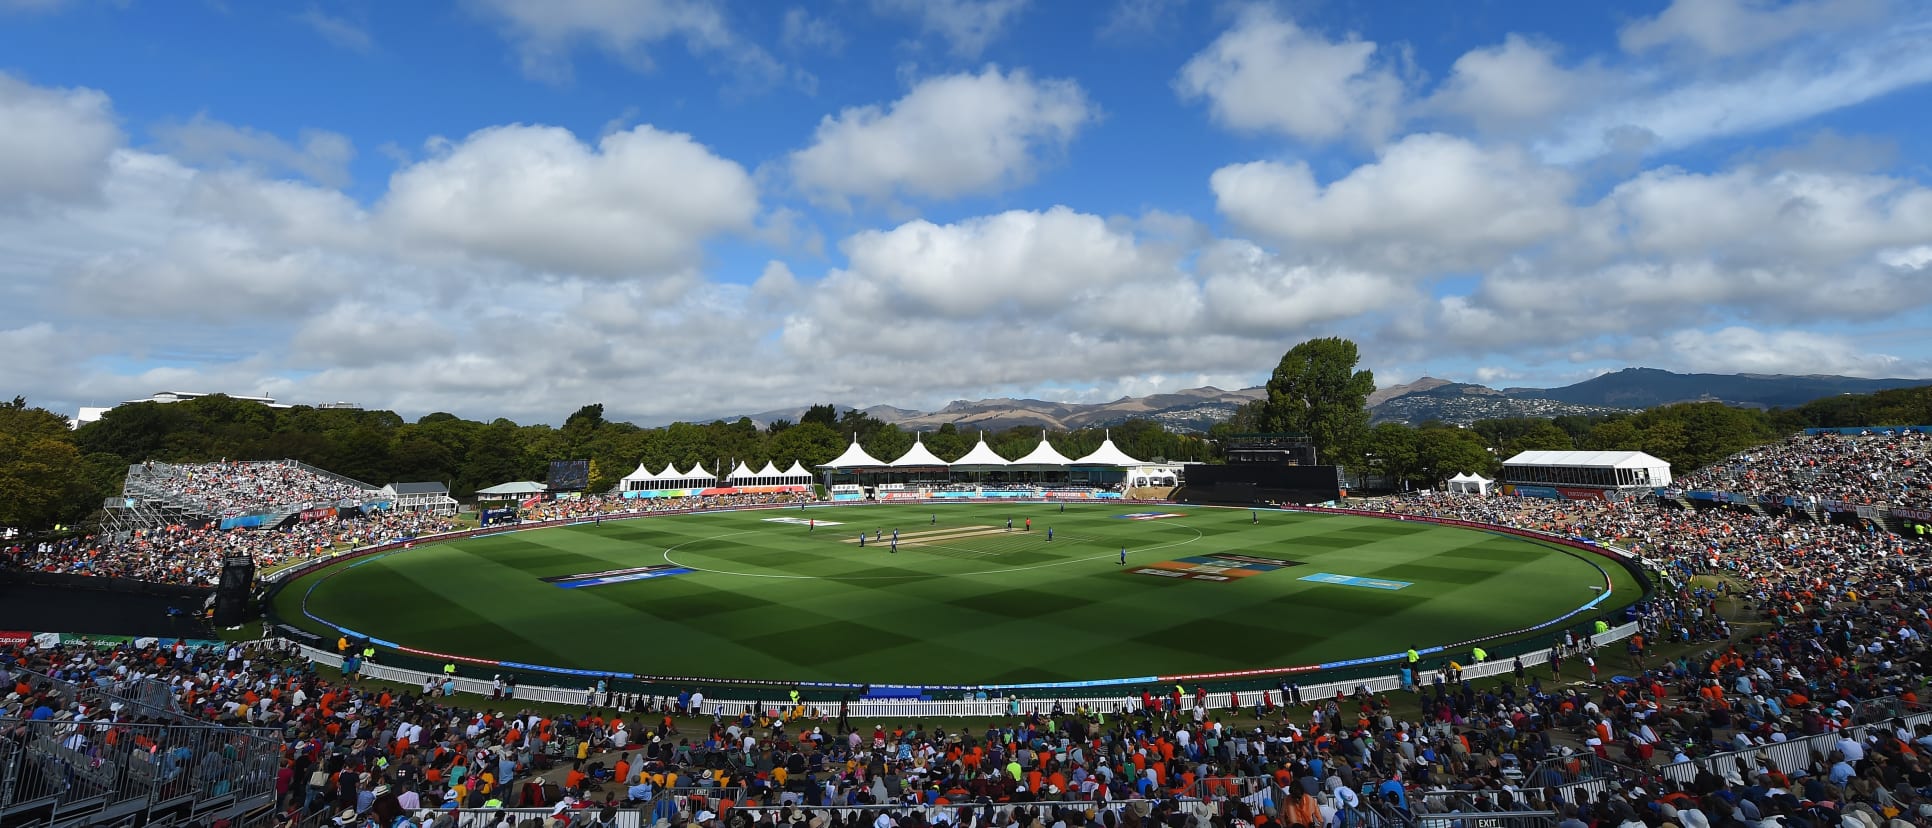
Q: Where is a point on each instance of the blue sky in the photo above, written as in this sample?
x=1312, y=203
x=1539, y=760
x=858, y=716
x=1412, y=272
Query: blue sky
x=685, y=209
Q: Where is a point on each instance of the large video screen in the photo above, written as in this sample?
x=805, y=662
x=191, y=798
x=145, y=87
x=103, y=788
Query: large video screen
x=569, y=475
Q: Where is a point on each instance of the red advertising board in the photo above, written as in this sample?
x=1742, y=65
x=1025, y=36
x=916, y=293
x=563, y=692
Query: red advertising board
x=1580, y=494
x=9, y=638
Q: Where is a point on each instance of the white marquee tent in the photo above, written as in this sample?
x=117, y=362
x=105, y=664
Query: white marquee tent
x=981, y=458
x=918, y=456
x=1043, y=458
x=1475, y=484
x=853, y=458
x=1108, y=455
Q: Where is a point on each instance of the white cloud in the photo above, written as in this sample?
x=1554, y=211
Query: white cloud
x=950, y=136
x=547, y=31
x=54, y=143
x=1431, y=202
x=1512, y=86
x=968, y=26
x=1754, y=215
x=1725, y=28
x=322, y=157
x=1027, y=261
x=802, y=31
x=1249, y=291
x=1139, y=17
x=1266, y=74
x=339, y=31
x=1673, y=110
x=639, y=204
x=1745, y=350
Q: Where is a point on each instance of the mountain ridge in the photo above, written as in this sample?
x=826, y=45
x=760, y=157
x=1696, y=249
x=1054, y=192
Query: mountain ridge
x=1426, y=398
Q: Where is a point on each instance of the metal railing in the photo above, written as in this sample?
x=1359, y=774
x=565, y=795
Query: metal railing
x=74, y=772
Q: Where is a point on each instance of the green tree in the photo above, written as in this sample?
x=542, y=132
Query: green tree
x=1615, y=435
x=1442, y=453
x=1316, y=390
x=825, y=414
x=1390, y=450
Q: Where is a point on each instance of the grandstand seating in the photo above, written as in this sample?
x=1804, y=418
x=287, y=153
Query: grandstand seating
x=252, y=493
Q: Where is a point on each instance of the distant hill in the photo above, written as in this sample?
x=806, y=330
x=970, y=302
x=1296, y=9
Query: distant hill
x=1428, y=398
x=1646, y=387
x=1382, y=395
x=1464, y=403
x=1192, y=409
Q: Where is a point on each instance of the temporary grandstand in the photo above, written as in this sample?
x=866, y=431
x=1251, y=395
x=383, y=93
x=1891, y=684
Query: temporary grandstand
x=697, y=481
x=1583, y=474
x=234, y=495
x=919, y=469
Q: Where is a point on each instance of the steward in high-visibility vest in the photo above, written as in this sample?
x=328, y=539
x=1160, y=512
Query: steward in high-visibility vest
x=1603, y=626
x=369, y=654
x=794, y=697
x=1414, y=656
x=449, y=669
x=1480, y=654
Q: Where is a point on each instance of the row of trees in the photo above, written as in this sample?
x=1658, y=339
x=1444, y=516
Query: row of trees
x=50, y=475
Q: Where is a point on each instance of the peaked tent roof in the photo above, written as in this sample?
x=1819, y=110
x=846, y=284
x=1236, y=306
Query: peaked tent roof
x=1459, y=478
x=516, y=488
x=982, y=455
x=641, y=474
x=853, y=458
x=1043, y=455
x=918, y=455
x=741, y=472
x=797, y=470
x=670, y=472
x=697, y=472
x=769, y=470
x=1587, y=459
x=1107, y=455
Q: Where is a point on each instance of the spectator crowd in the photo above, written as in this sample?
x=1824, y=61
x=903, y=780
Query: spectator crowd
x=193, y=554
x=1881, y=468
x=229, y=488
x=1763, y=629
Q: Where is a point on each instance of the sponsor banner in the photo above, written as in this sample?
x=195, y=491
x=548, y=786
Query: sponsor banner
x=616, y=576
x=799, y=521
x=1916, y=515
x=309, y=515
x=1532, y=491
x=847, y=496
x=46, y=640
x=1868, y=512
x=1351, y=580
x=10, y=638
x=918, y=495
x=1221, y=566
x=1149, y=516
x=1835, y=506
x=1580, y=494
